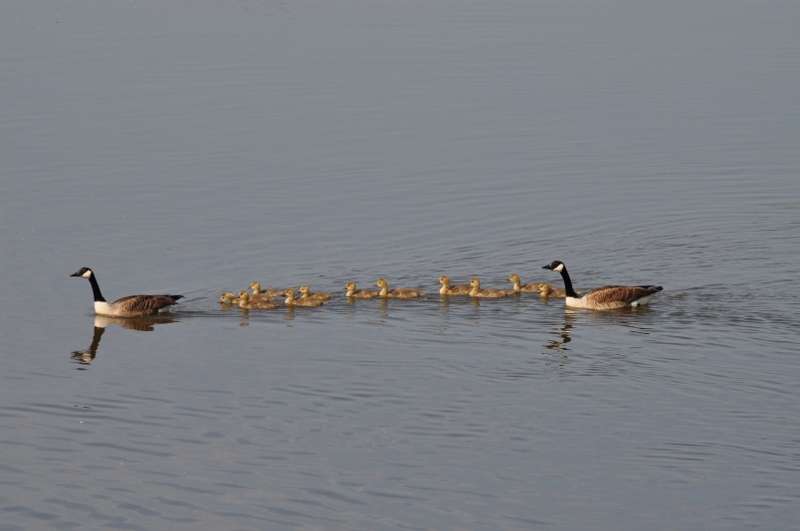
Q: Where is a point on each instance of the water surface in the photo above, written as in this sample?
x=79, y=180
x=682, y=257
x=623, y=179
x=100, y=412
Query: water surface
x=193, y=147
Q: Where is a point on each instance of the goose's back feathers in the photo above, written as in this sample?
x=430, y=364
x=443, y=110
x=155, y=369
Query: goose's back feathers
x=136, y=305
x=613, y=297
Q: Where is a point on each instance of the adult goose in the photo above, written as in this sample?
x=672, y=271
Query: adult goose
x=131, y=306
x=606, y=297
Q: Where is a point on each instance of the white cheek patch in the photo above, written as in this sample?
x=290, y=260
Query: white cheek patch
x=87, y=274
x=558, y=268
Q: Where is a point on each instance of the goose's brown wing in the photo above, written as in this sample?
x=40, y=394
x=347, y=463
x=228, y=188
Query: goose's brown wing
x=134, y=305
x=621, y=294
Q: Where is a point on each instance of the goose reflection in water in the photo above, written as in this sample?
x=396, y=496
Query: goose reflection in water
x=563, y=333
x=142, y=324
x=633, y=318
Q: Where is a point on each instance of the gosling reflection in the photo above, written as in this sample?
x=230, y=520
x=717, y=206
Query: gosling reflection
x=101, y=322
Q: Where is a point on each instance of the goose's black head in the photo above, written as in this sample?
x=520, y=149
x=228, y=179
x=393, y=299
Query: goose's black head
x=84, y=272
x=556, y=266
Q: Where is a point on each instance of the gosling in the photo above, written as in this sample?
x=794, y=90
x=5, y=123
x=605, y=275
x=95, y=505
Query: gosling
x=254, y=302
x=306, y=294
x=397, y=293
x=359, y=294
x=271, y=292
x=291, y=301
x=447, y=289
x=527, y=288
x=488, y=293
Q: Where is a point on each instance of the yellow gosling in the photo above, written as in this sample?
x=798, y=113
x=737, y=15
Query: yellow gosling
x=254, y=302
x=448, y=289
x=548, y=290
x=359, y=294
x=488, y=293
x=306, y=294
x=228, y=298
x=291, y=301
x=527, y=288
x=256, y=287
x=397, y=293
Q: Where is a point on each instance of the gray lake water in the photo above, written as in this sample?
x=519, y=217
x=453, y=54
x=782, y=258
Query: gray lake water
x=194, y=147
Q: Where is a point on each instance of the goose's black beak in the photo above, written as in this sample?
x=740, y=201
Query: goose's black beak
x=548, y=266
x=76, y=274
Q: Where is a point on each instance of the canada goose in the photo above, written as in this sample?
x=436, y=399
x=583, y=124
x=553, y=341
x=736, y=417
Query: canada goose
x=397, y=293
x=528, y=288
x=447, y=289
x=360, y=294
x=306, y=294
x=291, y=301
x=489, y=293
x=256, y=302
x=606, y=297
x=131, y=306
x=271, y=292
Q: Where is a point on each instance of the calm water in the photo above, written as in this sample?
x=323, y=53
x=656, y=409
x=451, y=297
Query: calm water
x=193, y=147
